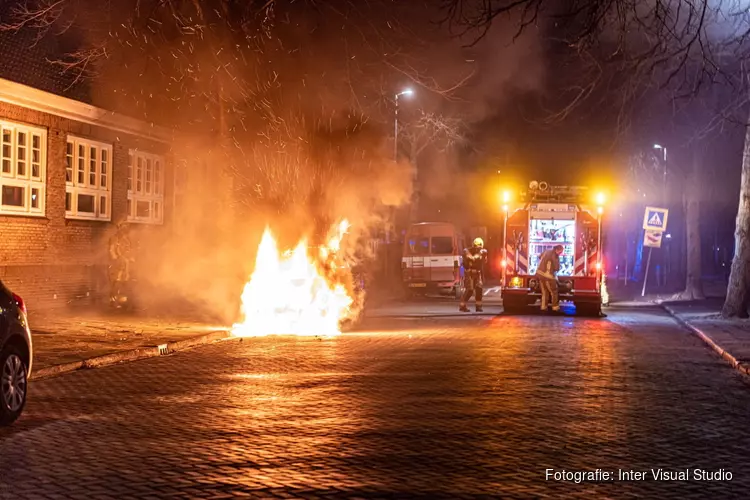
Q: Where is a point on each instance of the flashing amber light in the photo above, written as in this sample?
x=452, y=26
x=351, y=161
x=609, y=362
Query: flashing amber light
x=505, y=208
x=516, y=282
x=504, y=263
x=600, y=210
x=506, y=196
x=600, y=198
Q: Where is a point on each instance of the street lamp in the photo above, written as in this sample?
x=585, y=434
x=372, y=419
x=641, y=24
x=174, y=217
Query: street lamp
x=395, y=123
x=664, y=187
x=395, y=159
x=664, y=205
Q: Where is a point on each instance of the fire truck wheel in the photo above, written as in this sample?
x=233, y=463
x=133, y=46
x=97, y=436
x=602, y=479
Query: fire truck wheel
x=588, y=309
x=514, y=305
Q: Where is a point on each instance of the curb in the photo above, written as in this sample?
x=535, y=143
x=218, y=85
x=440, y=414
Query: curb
x=130, y=355
x=737, y=365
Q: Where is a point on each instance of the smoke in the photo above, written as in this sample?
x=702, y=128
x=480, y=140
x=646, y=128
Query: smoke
x=299, y=182
x=283, y=113
x=482, y=76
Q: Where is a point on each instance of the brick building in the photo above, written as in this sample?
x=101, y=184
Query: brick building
x=69, y=171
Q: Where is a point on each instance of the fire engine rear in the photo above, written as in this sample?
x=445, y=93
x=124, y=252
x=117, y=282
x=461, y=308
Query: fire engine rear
x=545, y=216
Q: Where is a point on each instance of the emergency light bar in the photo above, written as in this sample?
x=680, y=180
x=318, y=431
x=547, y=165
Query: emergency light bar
x=564, y=194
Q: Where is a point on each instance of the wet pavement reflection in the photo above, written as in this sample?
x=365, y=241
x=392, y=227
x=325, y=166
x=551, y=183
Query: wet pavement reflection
x=407, y=407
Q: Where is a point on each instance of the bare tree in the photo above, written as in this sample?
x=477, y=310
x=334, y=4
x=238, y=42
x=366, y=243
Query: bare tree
x=433, y=130
x=738, y=290
x=692, y=196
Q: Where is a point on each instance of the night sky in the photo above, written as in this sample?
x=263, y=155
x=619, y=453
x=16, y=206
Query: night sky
x=267, y=74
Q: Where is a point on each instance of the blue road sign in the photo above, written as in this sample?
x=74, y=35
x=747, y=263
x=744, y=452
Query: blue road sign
x=655, y=219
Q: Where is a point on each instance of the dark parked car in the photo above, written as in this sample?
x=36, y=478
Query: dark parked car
x=15, y=355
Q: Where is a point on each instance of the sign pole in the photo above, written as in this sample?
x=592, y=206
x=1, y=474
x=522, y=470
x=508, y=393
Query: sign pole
x=655, y=223
x=645, y=277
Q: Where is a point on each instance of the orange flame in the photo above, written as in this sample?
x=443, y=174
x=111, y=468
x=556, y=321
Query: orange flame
x=288, y=295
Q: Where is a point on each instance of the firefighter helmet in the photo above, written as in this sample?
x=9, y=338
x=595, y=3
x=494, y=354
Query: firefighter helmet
x=479, y=242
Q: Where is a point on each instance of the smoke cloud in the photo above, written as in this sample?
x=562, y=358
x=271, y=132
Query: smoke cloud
x=283, y=113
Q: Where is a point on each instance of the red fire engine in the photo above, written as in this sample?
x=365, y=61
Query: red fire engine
x=542, y=217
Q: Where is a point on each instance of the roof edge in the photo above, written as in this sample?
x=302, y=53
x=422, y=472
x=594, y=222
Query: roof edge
x=46, y=102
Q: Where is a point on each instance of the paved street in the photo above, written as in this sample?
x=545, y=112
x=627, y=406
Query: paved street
x=408, y=407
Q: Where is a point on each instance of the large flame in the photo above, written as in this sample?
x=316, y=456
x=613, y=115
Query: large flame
x=294, y=293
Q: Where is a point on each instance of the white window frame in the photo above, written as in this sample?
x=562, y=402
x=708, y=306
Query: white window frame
x=142, y=190
x=75, y=186
x=25, y=180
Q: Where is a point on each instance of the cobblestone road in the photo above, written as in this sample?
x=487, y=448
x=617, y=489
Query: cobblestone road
x=411, y=408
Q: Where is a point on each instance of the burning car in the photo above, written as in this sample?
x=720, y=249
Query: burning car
x=310, y=290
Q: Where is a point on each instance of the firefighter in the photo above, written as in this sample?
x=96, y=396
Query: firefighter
x=549, y=266
x=120, y=257
x=474, y=261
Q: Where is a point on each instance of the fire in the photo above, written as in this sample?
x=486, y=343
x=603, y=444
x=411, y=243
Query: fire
x=294, y=293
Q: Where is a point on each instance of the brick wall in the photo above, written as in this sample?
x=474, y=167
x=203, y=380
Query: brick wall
x=52, y=261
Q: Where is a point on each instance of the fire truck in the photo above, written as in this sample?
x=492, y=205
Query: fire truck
x=539, y=219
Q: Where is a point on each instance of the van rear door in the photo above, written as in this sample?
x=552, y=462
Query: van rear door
x=442, y=256
x=416, y=256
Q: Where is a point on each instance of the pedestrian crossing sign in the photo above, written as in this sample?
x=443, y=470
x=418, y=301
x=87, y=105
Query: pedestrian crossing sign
x=655, y=219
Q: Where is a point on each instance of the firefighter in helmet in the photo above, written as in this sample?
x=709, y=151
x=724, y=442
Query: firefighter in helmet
x=475, y=258
x=120, y=259
x=549, y=266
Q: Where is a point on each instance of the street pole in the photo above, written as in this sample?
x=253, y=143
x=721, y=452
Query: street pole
x=395, y=131
x=664, y=201
x=395, y=123
x=664, y=205
x=392, y=222
x=645, y=277
x=664, y=187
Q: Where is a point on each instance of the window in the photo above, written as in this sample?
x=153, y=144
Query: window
x=23, y=159
x=419, y=245
x=145, y=187
x=442, y=245
x=88, y=190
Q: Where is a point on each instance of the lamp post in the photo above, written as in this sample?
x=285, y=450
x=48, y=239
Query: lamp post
x=395, y=122
x=664, y=180
x=391, y=225
x=664, y=205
